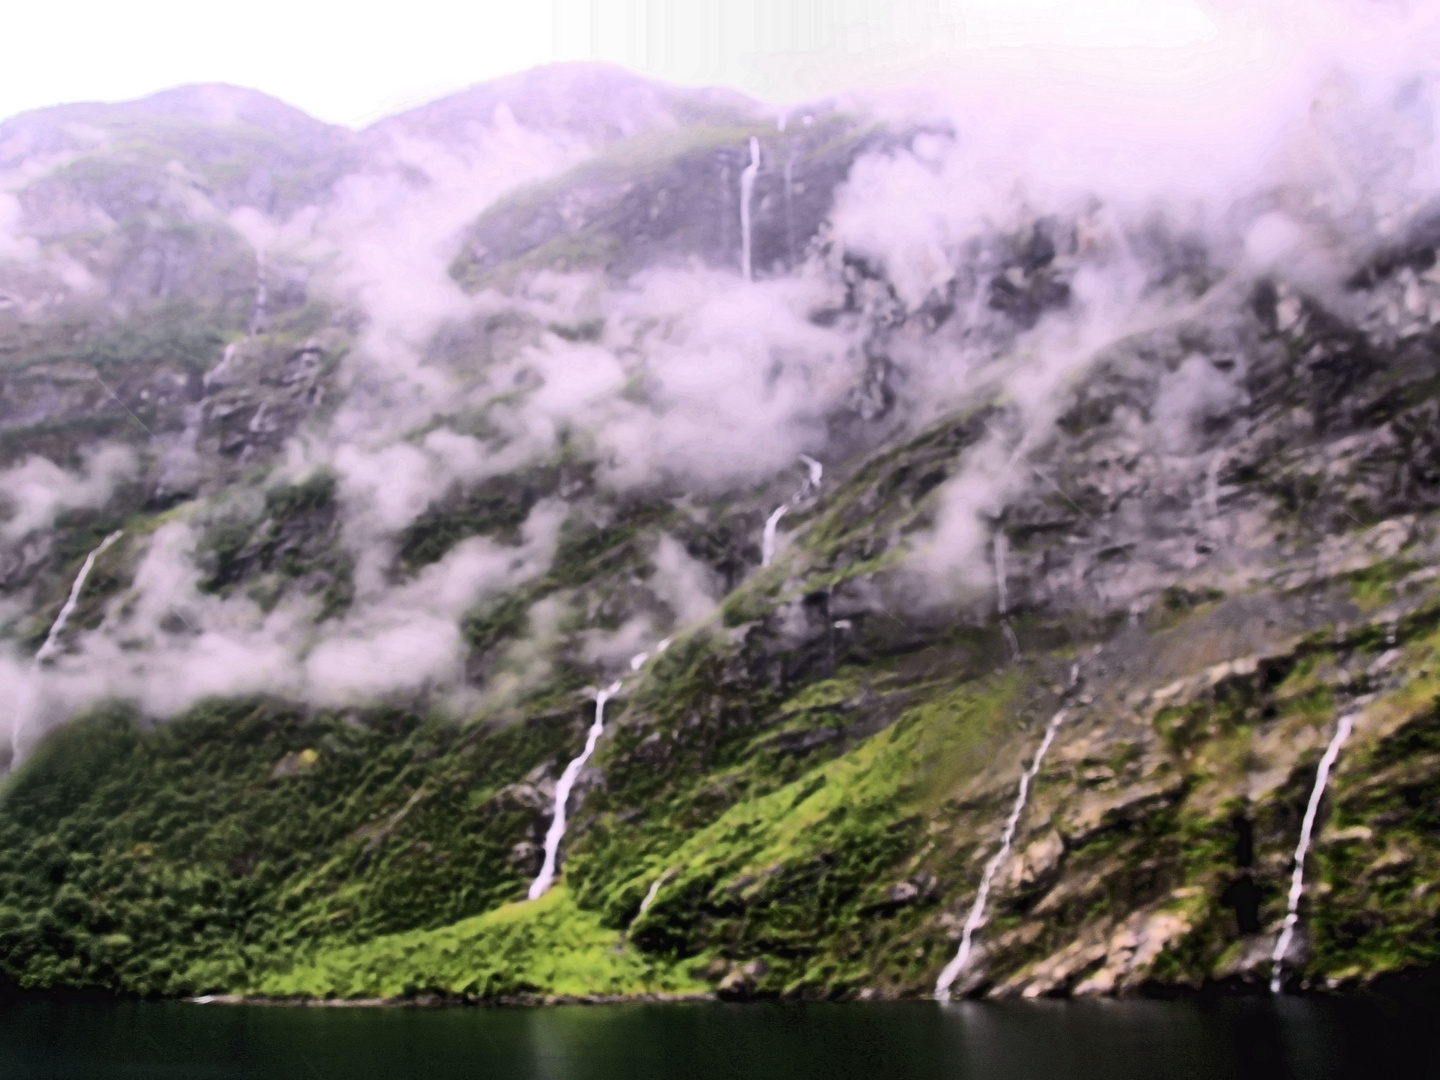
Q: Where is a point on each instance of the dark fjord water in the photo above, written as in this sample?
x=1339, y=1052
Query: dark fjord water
x=57, y=1039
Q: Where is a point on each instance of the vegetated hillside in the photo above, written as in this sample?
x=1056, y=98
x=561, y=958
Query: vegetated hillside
x=392, y=509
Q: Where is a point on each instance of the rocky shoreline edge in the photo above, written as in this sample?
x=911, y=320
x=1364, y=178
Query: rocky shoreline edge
x=435, y=1001
x=1392, y=983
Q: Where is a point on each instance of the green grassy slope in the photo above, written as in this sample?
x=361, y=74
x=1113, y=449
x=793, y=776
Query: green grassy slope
x=179, y=859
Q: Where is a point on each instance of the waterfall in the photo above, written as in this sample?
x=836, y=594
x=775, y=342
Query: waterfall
x=977, y=911
x=546, y=877
x=747, y=188
x=556, y=832
x=52, y=639
x=257, y=316
x=650, y=895
x=219, y=369
x=1002, y=594
x=767, y=540
x=1212, y=485
x=1010, y=639
x=654, y=891
x=1297, y=876
x=814, y=472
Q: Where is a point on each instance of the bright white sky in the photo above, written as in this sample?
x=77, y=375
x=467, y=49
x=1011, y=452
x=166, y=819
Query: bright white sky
x=353, y=61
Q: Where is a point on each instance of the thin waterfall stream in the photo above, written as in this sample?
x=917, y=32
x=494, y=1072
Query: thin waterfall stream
x=815, y=472
x=747, y=189
x=563, y=786
x=556, y=832
x=976, y=918
x=1307, y=828
x=257, y=313
x=1212, y=485
x=654, y=891
x=52, y=639
x=767, y=538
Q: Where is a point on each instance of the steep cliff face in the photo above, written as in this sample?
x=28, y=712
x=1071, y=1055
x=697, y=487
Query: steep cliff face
x=415, y=437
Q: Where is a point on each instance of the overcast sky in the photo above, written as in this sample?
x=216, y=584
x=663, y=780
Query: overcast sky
x=355, y=61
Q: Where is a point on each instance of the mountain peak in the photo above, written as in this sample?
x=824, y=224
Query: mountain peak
x=225, y=105
x=211, y=107
x=599, y=101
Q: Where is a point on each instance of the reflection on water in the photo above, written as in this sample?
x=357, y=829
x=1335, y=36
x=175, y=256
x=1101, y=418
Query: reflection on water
x=55, y=1038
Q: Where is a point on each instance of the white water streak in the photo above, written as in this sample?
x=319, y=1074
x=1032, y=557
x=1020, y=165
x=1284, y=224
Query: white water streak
x=654, y=891
x=747, y=188
x=52, y=642
x=1307, y=827
x=815, y=473
x=257, y=314
x=556, y=832
x=767, y=541
x=976, y=918
x=1010, y=639
x=1212, y=485
x=52, y=639
x=650, y=895
x=817, y=470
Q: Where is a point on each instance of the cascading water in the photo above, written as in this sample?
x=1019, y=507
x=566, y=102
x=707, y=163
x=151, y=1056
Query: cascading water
x=976, y=917
x=814, y=472
x=1212, y=485
x=1307, y=826
x=1002, y=591
x=747, y=188
x=767, y=539
x=654, y=891
x=556, y=832
x=52, y=639
x=257, y=315
x=1002, y=594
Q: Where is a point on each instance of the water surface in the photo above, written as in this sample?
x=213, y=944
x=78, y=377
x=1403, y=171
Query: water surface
x=55, y=1038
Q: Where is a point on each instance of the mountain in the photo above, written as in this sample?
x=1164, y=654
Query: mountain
x=916, y=552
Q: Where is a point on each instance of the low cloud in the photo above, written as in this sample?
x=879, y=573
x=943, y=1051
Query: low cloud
x=37, y=490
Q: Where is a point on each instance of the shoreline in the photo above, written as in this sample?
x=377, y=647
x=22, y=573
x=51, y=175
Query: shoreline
x=1424, y=983
x=441, y=1001
x=1382, y=987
